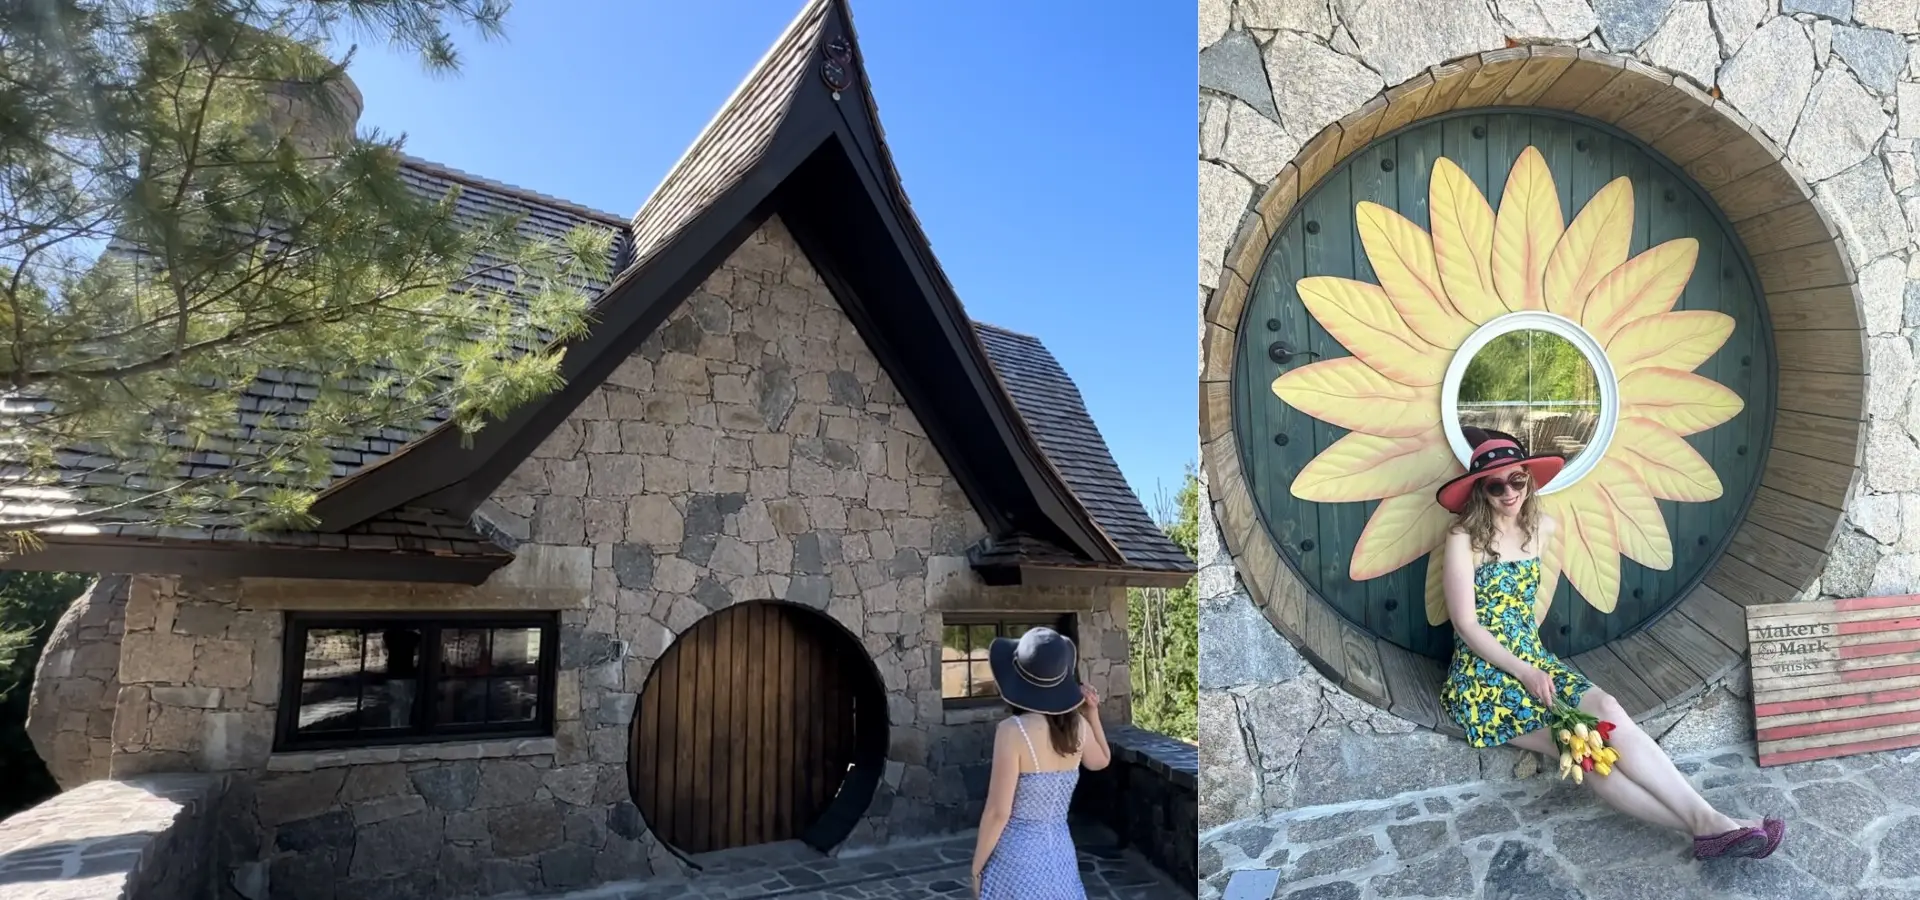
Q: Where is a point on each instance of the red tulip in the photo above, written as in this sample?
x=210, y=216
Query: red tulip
x=1586, y=762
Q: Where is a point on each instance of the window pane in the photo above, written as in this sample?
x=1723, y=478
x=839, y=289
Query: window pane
x=981, y=637
x=332, y=653
x=514, y=699
x=328, y=705
x=953, y=642
x=394, y=652
x=461, y=701
x=953, y=679
x=463, y=651
x=516, y=651
x=983, y=683
x=1535, y=385
x=387, y=704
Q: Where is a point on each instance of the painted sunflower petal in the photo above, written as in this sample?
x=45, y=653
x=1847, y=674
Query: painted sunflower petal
x=1364, y=321
x=1671, y=468
x=1368, y=467
x=1402, y=258
x=1677, y=340
x=1463, y=242
x=1646, y=285
x=1524, y=233
x=1589, y=557
x=1682, y=401
x=1639, y=526
x=1401, y=530
x=1436, y=586
x=1349, y=393
x=1595, y=243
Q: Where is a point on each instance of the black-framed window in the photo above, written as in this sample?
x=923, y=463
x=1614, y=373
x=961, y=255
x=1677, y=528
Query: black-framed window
x=966, y=678
x=351, y=681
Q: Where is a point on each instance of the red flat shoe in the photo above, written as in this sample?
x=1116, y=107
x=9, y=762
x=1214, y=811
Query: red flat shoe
x=1738, y=842
x=1775, y=830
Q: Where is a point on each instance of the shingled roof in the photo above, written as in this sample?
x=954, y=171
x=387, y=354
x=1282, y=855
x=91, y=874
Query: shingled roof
x=733, y=176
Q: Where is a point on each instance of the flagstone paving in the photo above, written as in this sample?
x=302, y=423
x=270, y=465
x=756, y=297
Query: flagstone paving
x=1853, y=834
x=934, y=871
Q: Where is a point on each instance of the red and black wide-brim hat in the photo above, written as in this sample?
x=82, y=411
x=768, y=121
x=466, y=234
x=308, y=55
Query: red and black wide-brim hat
x=1495, y=453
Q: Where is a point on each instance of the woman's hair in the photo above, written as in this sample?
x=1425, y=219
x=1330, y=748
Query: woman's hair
x=1063, y=729
x=1479, y=518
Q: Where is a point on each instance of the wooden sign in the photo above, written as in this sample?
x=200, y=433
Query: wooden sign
x=1835, y=678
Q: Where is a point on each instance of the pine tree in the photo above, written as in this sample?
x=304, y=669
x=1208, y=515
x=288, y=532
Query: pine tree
x=173, y=223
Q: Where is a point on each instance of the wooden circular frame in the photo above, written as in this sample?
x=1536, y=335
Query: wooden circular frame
x=1820, y=403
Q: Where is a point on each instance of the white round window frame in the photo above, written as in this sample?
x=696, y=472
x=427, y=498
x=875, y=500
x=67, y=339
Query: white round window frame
x=1535, y=320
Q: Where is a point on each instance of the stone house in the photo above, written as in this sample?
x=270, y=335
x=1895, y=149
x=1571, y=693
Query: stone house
x=731, y=585
x=1769, y=146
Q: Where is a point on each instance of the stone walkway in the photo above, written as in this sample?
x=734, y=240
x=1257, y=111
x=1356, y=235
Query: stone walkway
x=1853, y=834
x=934, y=871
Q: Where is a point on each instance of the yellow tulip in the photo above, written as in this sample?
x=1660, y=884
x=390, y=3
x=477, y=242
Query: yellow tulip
x=1596, y=740
x=1603, y=768
x=1566, y=759
x=1565, y=736
x=1577, y=775
x=1580, y=729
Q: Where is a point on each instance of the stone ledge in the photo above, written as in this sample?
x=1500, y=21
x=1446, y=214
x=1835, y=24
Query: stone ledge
x=1174, y=760
x=971, y=715
x=141, y=839
x=309, y=760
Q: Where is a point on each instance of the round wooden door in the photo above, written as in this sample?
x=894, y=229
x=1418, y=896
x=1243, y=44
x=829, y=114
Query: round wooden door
x=1525, y=270
x=749, y=730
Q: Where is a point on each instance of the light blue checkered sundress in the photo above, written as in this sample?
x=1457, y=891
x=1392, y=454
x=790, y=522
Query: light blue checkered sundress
x=1034, y=859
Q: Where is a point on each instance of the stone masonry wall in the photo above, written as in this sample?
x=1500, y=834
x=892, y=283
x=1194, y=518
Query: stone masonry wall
x=76, y=685
x=153, y=838
x=1837, y=84
x=751, y=449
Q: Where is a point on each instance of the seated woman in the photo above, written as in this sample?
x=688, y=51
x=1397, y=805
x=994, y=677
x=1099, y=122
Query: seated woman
x=1503, y=681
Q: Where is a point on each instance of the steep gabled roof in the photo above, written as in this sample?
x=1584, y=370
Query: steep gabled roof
x=998, y=407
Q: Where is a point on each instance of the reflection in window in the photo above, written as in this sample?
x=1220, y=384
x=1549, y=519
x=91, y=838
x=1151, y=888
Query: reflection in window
x=1535, y=385
x=966, y=676
x=360, y=681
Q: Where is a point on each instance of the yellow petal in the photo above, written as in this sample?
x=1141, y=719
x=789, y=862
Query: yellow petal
x=1595, y=244
x=1463, y=242
x=1402, y=258
x=1525, y=232
x=1677, y=340
x=1368, y=467
x=1401, y=530
x=1646, y=285
x=1588, y=557
x=1436, y=586
x=1671, y=468
x=1349, y=393
x=1639, y=526
x=1682, y=401
x=1364, y=321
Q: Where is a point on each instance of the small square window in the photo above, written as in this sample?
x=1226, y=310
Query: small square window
x=360, y=681
x=966, y=676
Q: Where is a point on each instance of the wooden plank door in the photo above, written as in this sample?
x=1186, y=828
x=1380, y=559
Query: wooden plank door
x=745, y=730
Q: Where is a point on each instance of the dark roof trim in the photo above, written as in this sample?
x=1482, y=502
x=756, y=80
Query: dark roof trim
x=210, y=559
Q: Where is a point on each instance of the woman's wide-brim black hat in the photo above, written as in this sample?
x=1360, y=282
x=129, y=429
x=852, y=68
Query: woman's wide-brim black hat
x=1036, y=672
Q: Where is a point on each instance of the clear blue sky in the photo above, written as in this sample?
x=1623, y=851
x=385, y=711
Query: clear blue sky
x=1046, y=147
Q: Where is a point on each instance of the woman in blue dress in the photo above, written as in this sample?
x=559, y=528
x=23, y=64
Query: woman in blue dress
x=1503, y=680
x=1025, y=851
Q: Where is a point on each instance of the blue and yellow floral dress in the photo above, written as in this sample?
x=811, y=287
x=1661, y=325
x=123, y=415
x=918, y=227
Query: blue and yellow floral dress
x=1489, y=704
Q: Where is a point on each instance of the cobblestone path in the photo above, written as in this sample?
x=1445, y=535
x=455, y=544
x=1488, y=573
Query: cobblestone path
x=936, y=871
x=1853, y=834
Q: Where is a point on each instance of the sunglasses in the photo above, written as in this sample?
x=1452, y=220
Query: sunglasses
x=1496, y=487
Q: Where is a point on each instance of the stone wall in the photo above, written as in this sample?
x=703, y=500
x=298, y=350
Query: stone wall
x=76, y=685
x=153, y=838
x=751, y=449
x=1834, y=84
x=1147, y=796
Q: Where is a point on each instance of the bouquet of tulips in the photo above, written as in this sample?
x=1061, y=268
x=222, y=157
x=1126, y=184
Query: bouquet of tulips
x=1583, y=743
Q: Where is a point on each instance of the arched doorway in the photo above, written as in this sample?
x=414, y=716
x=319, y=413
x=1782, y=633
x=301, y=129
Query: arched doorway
x=763, y=722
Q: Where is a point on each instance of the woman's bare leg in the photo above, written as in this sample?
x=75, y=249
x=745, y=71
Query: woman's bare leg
x=1616, y=790
x=1649, y=766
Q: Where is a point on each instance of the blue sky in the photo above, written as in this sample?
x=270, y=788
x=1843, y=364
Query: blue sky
x=1045, y=146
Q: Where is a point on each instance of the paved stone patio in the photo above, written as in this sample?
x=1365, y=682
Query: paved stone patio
x=934, y=871
x=1853, y=834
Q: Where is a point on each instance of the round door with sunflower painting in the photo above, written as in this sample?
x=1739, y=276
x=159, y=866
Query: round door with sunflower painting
x=1524, y=271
